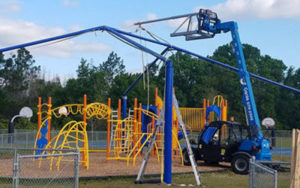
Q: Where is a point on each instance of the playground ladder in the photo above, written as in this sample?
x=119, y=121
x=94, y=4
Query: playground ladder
x=114, y=116
x=123, y=137
x=130, y=112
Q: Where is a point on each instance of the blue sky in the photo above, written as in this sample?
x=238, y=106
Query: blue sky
x=270, y=25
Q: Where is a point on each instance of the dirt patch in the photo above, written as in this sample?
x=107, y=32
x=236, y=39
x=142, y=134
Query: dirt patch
x=98, y=167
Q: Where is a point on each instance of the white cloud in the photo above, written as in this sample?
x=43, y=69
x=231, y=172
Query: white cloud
x=14, y=32
x=135, y=70
x=128, y=23
x=257, y=9
x=75, y=28
x=249, y=9
x=151, y=16
x=70, y=3
x=12, y=6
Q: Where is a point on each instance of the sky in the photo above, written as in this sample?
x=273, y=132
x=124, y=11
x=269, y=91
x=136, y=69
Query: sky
x=270, y=25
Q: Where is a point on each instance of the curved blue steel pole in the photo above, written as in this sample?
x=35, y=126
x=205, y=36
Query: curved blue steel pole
x=168, y=124
x=208, y=59
x=117, y=33
x=52, y=38
x=124, y=109
x=120, y=32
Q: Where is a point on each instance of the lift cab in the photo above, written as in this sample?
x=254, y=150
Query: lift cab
x=215, y=146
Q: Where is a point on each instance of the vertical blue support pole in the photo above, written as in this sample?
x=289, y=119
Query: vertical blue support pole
x=168, y=124
x=124, y=107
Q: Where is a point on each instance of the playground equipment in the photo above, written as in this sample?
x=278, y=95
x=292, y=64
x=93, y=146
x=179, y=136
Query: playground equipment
x=73, y=135
x=131, y=135
x=203, y=26
x=126, y=138
x=196, y=118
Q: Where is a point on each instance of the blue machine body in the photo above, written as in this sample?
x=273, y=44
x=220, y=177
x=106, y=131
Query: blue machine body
x=210, y=23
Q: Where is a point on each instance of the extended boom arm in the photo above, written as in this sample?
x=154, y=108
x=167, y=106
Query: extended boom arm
x=207, y=26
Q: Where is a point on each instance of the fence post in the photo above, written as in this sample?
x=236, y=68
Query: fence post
x=77, y=156
x=14, y=168
x=17, y=170
x=257, y=172
x=10, y=135
x=26, y=139
x=275, y=179
x=280, y=148
x=251, y=173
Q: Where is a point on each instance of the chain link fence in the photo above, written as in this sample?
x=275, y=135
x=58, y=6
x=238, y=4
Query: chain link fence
x=281, y=148
x=261, y=176
x=4, y=131
x=97, y=139
x=6, y=167
x=37, y=169
x=34, y=171
x=18, y=139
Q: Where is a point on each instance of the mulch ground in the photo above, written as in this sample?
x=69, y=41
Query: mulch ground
x=98, y=167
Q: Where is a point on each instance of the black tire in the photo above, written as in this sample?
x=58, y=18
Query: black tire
x=186, y=158
x=240, y=164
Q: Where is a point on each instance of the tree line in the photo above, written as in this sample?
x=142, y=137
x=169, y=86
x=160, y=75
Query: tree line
x=194, y=79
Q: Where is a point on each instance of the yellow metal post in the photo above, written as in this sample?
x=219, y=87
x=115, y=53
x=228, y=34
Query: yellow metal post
x=140, y=123
x=49, y=119
x=84, y=120
x=204, y=113
x=39, y=116
x=108, y=130
x=152, y=131
x=158, y=111
x=119, y=126
x=135, y=131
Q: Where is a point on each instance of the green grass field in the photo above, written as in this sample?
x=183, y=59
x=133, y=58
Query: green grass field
x=226, y=179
